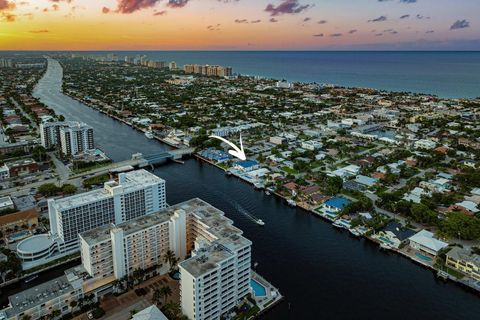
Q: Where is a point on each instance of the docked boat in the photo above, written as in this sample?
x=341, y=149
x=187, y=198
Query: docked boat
x=31, y=278
x=291, y=203
x=258, y=185
x=336, y=224
x=385, y=246
x=355, y=232
x=149, y=134
x=267, y=192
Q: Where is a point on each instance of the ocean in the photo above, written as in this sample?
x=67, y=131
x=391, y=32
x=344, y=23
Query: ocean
x=445, y=74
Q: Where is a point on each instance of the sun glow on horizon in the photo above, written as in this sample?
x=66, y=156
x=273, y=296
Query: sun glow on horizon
x=237, y=25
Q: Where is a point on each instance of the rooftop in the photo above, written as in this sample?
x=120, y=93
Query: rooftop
x=19, y=216
x=149, y=313
x=426, y=239
x=42, y=293
x=218, y=225
x=129, y=181
x=462, y=254
x=338, y=202
x=206, y=258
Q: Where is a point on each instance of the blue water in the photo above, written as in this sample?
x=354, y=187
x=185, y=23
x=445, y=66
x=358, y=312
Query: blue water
x=423, y=257
x=19, y=235
x=446, y=74
x=258, y=289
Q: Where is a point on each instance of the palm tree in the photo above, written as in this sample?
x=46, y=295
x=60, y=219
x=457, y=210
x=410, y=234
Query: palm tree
x=157, y=295
x=138, y=275
x=171, y=259
x=169, y=256
x=166, y=292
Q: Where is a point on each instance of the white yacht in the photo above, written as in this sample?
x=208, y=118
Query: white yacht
x=149, y=134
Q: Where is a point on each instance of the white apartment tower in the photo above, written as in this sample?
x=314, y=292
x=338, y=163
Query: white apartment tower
x=70, y=137
x=214, y=278
x=76, y=139
x=135, y=194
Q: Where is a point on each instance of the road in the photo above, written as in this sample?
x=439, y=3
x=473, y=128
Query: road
x=32, y=121
x=61, y=169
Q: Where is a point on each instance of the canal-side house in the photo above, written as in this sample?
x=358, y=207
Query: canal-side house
x=336, y=204
x=247, y=165
x=462, y=260
x=425, y=242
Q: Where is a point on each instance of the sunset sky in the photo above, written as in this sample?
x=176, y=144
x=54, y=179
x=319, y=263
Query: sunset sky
x=239, y=24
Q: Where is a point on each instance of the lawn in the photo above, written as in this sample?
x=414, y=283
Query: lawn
x=289, y=170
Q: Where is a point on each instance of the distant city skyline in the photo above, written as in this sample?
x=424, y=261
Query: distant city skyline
x=239, y=25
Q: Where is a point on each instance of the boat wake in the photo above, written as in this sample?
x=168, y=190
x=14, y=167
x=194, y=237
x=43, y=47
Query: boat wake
x=239, y=208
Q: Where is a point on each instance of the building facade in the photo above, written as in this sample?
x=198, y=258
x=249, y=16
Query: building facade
x=70, y=137
x=136, y=193
x=206, y=70
x=76, y=139
x=463, y=261
x=214, y=277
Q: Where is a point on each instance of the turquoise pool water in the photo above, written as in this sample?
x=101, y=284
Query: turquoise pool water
x=19, y=235
x=423, y=257
x=386, y=240
x=258, y=289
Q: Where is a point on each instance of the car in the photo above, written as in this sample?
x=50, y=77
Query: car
x=90, y=315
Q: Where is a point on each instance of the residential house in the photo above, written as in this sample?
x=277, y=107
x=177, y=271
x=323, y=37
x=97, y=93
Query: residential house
x=462, y=260
x=425, y=242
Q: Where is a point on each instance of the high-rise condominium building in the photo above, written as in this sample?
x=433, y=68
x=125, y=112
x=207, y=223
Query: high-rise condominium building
x=70, y=136
x=136, y=193
x=218, y=71
x=214, y=278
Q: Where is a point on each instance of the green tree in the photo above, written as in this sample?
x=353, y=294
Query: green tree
x=334, y=185
x=458, y=224
x=48, y=189
x=69, y=189
x=157, y=296
x=166, y=292
x=171, y=259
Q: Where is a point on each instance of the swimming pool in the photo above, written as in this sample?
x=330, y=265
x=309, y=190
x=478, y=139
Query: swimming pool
x=19, y=235
x=423, y=257
x=258, y=289
x=387, y=241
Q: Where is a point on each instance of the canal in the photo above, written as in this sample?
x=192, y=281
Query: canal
x=323, y=272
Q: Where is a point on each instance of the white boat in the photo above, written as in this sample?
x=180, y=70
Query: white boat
x=149, y=134
x=27, y=280
x=338, y=225
x=258, y=185
x=355, y=232
x=267, y=192
x=291, y=203
x=260, y=222
x=385, y=246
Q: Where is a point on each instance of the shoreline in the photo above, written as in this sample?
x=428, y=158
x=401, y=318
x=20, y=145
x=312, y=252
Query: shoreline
x=263, y=308
x=417, y=261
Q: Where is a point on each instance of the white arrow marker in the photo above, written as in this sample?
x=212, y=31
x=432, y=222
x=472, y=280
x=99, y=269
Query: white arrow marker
x=238, y=152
